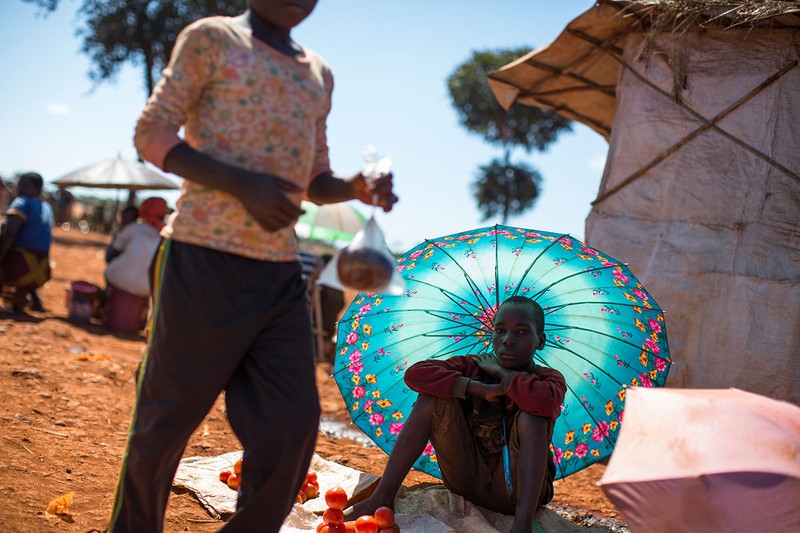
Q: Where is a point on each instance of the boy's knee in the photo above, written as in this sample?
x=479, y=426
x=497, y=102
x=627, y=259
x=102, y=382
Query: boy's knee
x=529, y=425
x=425, y=404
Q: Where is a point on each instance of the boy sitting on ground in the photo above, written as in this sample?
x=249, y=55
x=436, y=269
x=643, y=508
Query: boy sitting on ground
x=463, y=406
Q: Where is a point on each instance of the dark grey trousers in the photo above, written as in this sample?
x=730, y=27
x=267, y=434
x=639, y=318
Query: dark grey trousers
x=223, y=322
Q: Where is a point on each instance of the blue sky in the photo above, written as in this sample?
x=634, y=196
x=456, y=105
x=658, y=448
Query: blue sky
x=390, y=61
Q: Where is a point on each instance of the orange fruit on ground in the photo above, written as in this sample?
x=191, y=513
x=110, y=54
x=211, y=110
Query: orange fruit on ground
x=224, y=475
x=237, y=467
x=366, y=524
x=384, y=516
x=311, y=490
x=333, y=516
x=336, y=498
x=234, y=480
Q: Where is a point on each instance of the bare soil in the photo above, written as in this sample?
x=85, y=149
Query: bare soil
x=67, y=395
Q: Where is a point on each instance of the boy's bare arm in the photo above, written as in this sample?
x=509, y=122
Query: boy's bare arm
x=489, y=364
x=489, y=392
x=328, y=189
x=263, y=195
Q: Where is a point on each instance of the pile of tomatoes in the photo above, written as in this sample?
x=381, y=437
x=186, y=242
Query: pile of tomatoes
x=336, y=499
x=232, y=479
x=310, y=488
x=333, y=517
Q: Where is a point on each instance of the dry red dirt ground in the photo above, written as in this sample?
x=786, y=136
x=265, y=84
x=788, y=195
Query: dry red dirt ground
x=67, y=394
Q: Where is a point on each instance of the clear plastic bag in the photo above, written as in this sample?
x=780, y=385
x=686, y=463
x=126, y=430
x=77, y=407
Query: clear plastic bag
x=366, y=264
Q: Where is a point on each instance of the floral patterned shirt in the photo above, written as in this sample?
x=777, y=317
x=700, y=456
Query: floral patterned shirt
x=246, y=104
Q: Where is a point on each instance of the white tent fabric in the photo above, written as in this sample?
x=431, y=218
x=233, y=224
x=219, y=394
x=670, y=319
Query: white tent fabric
x=711, y=219
x=713, y=230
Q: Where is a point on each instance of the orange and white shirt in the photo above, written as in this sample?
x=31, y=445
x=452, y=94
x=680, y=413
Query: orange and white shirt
x=246, y=104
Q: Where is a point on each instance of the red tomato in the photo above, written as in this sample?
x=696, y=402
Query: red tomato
x=321, y=526
x=366, y=524
x=384, y=516
x=333, y=516
x=224, y=475
x=310, y=490
x=311, y=477
x=337, y=528
x=336, y=498
x=234, y=480
x=391, y=529
x=237, y=467
x=350, y=526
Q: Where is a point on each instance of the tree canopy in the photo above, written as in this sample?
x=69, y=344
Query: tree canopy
x=140, y=32
x=478, y=110
x=502, y=187
x=505, y=189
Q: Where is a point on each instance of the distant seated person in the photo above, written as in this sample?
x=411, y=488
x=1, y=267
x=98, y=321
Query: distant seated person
x=25, y=241
x=129, y=215
x=127, y=273
x=463, y=405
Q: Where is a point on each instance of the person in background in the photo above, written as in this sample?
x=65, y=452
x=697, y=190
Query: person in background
x=25, y=241
x=130, y=255
x=63, y=200
x=231, y=307
x=129, y=215
x=5, y=198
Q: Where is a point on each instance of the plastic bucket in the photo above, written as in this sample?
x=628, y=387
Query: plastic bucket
x=125, y=312
x=81, y=300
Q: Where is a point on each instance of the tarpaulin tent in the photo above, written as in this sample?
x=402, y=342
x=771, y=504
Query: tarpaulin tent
x=700, y=103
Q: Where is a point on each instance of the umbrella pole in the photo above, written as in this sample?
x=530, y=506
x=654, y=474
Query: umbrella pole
x=131, y=198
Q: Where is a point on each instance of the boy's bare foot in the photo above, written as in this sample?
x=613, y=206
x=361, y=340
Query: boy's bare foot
x=366, y=507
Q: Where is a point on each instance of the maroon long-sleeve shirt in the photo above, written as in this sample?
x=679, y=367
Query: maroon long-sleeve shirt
x=540, y=392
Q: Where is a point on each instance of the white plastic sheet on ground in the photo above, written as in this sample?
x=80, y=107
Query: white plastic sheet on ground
x=430, y=510
x=200, y=476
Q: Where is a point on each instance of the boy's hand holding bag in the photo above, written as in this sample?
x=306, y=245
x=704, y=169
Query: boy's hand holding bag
x=366, y=264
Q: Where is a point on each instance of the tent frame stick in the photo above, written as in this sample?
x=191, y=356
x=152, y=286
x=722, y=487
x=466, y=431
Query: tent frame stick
x=707, y=123
x=587, y=83
x=561, y=108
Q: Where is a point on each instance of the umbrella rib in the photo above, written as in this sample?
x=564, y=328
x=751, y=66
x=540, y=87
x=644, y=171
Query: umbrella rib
x=581, y=273
x=468, y=279
x=561, y=327
x=496, y=268
x=451, y=295
x=584, y=359
x=433, y=313
x=533, y=263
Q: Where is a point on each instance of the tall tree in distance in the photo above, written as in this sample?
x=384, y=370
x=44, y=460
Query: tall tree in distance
x=502, y=187
x=140, y=32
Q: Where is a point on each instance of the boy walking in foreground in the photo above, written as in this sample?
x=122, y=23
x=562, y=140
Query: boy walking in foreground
x=230, y=305
x=463, y=405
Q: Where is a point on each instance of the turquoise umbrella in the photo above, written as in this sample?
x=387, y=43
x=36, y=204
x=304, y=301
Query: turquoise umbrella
x=605, y=332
